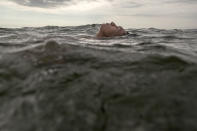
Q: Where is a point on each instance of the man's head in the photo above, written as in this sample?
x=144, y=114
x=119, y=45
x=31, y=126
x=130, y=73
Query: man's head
x=110, y=30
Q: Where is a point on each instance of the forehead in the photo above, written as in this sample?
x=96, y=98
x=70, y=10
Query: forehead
x=107, y=25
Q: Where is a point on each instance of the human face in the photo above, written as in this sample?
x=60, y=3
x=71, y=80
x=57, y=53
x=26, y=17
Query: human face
x=111, y=29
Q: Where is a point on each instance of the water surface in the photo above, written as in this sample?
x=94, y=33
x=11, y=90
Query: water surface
x=64, y=79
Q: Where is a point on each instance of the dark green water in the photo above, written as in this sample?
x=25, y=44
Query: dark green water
x=63, y=79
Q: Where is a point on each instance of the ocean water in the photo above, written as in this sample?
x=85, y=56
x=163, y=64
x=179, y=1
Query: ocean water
x=64, y=79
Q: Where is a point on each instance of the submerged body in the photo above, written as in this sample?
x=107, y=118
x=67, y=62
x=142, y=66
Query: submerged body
x=110, y=30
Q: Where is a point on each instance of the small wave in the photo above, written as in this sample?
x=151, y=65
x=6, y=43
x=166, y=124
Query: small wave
x=121, y=46
x=163, y=60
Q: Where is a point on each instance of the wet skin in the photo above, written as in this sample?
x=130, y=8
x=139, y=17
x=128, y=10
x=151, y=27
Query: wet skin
x=110, y=30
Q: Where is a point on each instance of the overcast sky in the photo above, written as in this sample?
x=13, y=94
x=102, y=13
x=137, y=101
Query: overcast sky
x=128, y=13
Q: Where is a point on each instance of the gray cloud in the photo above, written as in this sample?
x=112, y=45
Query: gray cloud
x=164, y=15
x=116, y=3
x=55, y=3
x=45, y=3
x=181, y=1
x=129, y=4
